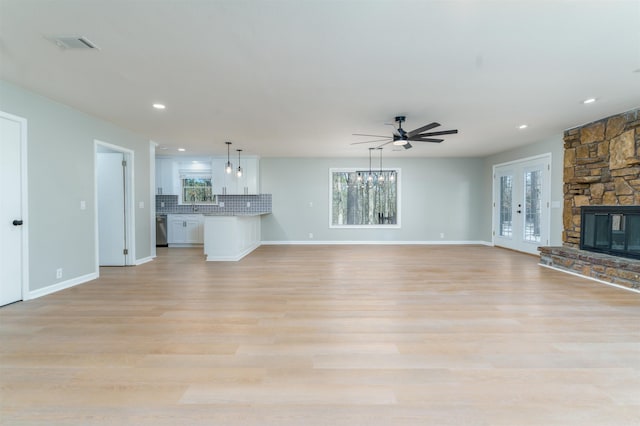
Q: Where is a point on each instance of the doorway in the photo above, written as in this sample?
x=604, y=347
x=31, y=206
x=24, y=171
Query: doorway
x=13, y=209
x=114, y=205
x=521, y=205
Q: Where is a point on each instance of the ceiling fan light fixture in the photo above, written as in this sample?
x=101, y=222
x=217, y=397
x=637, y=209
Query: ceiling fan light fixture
x=400, y=142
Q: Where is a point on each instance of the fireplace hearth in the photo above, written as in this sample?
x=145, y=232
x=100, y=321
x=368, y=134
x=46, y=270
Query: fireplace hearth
x=613, y=230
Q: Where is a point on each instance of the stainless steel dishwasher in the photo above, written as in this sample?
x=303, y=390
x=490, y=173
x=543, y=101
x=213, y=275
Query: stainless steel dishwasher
x=161, y=230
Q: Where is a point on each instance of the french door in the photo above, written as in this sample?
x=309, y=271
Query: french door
x=521, y=204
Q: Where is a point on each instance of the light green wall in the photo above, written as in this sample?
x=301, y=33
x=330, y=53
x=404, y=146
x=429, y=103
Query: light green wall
x=61, y=174
x=442, y=195
x=555, y=146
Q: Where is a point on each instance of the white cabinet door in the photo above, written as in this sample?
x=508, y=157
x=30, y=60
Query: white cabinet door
x=250, y=177
x=185, y=229
x=218, y=175
x=176, y=232
x=165, y=179
x=194, y=229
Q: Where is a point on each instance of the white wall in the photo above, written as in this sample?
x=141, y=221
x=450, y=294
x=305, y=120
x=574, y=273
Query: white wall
x=442, y=195
x=61, y=174
x=555, y=146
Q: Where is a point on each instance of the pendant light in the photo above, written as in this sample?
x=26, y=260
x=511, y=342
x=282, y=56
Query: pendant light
x=239, y=171
x=370, y=177
x=380, y=176
x=228, y=166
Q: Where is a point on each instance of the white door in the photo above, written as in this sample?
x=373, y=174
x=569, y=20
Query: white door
x=521, y=204
x=111, y=209
x=12, y=214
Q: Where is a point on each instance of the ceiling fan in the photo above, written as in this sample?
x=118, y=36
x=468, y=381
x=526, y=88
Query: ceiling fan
x=401, y=137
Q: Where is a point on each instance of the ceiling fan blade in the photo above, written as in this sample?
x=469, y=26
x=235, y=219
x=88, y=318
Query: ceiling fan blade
x=406, y=145
x=375, y=140
x=371, y=136
x=444, y=132
x=426, y=140
x=423, y=129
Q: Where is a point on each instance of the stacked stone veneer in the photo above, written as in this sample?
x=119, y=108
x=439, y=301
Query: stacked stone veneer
x=601, y=167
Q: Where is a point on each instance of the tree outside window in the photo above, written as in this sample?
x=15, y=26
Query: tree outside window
x=361, y=198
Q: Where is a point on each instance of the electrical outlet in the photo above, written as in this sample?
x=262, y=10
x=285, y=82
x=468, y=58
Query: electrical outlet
x=161, y=203
x=311, y=235
x=83, y=205
x=248, y=203
x=58, y=273
x=141, y=204
x=310, y=203
x=221, y=203
x=442, y=235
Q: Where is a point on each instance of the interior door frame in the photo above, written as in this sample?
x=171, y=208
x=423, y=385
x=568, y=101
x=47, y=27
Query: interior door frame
x=546, y=158
x=128, y=154
x=24, y=200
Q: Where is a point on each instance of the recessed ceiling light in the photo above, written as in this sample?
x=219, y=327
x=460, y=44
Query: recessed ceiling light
x=589, y=101
x=159, y=106
x=522, y=126
x=181, y=149
x=164, y=148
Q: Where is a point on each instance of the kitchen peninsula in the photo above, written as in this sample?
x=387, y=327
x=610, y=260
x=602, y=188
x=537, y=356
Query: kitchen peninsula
x=230, y=228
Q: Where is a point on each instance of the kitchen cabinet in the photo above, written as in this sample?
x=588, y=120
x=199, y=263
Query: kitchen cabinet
x=231, y=184
x=165, y=177
x=185, y=229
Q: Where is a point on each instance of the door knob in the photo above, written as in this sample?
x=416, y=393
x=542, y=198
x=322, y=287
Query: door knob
x=17, y=222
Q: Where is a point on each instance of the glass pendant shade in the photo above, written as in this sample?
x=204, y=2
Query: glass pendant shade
x=239, y=171
x=228, y=167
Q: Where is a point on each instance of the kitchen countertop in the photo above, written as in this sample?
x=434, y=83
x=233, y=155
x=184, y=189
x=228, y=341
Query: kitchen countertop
x=236, y=214
x=216, y=213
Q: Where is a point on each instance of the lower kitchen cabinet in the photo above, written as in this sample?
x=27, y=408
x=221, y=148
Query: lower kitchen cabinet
x=185, y=229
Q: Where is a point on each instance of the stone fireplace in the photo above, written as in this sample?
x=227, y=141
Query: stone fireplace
x=601, y=168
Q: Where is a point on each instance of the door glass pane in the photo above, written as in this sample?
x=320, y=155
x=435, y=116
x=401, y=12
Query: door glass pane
x=506, y=191
x=532, y=205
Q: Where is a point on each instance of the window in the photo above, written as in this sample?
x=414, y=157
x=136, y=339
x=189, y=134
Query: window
x=196, y=190
x=361, y=199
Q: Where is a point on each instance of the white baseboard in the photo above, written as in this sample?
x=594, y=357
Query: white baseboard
x=589, y=278
x=144, y=260
x=233, y=258
x=62, y=285
x=426, y=243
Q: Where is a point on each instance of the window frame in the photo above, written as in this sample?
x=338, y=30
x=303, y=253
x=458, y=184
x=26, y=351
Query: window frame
x=191, y=175
x=396, y=225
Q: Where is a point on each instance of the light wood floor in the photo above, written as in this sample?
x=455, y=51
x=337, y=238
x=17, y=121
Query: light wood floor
x=326, y=335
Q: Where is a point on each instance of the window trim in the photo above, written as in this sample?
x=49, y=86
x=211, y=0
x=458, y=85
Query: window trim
x=397, y=225
x=195, y=175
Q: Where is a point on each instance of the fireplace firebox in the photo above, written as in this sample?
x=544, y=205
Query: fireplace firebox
x=613, y=230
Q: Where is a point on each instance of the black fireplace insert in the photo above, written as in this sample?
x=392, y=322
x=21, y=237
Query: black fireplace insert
x=613, y=230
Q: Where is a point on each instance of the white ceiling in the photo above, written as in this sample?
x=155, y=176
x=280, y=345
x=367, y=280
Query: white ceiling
x=297, y=77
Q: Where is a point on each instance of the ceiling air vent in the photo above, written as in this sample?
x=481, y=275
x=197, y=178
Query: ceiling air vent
x=73, y=42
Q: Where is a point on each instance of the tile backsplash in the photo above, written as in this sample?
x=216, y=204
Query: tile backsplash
x=233, y=204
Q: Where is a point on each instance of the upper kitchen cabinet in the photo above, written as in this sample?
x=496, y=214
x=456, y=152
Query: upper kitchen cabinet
x=166, y=177
x=170, y=171
x=229, y=183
